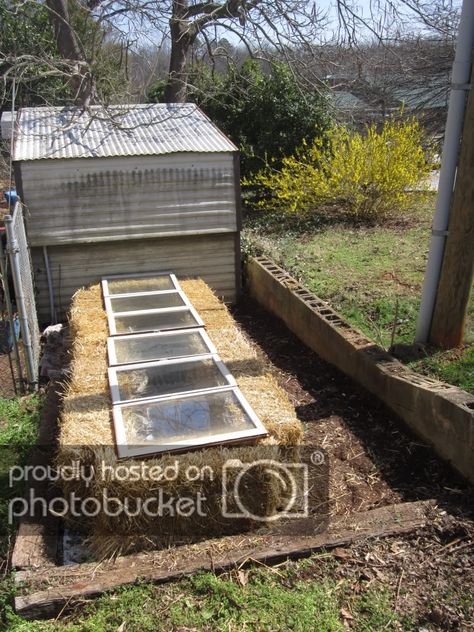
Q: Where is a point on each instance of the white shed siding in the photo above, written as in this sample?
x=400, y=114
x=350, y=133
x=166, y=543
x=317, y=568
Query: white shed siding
x=132, y=197
x=211, y=257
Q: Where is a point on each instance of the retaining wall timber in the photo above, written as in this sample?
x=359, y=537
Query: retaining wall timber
x=441, y=414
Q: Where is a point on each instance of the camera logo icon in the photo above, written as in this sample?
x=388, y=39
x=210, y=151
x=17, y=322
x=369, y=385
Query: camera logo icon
x=246, y=487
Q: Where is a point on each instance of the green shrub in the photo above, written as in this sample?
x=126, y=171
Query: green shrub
x=363, y=175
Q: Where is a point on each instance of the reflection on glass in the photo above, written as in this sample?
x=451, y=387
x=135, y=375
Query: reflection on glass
x=145, y=284
x=158, y=347
x=148, y=301
x=152, y=381
x=154, y=321
x=185, y=418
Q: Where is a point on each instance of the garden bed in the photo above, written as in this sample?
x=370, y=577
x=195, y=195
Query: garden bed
x=86, y=437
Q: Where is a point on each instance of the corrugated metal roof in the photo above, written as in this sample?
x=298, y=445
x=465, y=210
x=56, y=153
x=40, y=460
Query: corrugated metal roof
x=128, y=130
x=345, y=100
x=423, y=97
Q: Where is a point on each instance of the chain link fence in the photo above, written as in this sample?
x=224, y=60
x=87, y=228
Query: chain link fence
x=20, y=345
x=10, y=366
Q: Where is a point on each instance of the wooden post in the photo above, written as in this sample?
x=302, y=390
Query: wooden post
x=447, y=327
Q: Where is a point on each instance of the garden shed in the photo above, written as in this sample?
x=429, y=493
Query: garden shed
x=130, y=189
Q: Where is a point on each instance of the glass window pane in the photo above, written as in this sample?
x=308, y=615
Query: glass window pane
x=148, y=301
x=144, y=284
x=155, y=321
x=185, y=418
x=166, y=379
x=158, y=346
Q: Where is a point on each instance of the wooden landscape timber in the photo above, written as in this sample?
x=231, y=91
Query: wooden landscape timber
x=47, y=590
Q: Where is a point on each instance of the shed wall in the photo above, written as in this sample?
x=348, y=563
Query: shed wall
x=131, y=197
x=211, y=257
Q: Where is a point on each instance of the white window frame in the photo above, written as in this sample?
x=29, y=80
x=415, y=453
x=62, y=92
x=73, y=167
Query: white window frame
x=109, y=300
x=112, y=340
x=124, y=450
x=144, y=275
x=114, y=370
x=111, y=316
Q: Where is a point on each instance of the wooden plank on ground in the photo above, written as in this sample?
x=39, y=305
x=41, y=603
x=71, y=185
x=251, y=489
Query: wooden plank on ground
x=36, y=544
x=64, y=586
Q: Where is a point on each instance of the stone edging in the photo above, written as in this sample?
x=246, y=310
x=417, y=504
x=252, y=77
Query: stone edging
x=441, y=414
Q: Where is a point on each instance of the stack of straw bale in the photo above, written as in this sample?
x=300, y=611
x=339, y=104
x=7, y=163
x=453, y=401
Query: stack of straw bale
x=86, y=431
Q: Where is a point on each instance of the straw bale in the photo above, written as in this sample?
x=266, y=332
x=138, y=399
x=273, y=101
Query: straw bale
x=86, y=431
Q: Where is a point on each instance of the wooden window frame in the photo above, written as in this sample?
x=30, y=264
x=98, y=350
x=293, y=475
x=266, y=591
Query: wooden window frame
x=109, y=300
x=111, y=316
x=144, y=275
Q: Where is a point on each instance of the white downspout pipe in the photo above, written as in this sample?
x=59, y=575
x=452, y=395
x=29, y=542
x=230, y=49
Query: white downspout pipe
x=460, y=79
x=52, y=309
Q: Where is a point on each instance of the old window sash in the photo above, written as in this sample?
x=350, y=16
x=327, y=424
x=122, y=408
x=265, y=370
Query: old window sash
x=126, y=449
x=220, y=370
x=168, y=280
x=186, y=317
x=165, y=338
x=146, y=301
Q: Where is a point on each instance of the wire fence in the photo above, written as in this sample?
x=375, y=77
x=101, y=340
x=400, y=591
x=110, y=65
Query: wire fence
x=20, y=345
x=10, y=377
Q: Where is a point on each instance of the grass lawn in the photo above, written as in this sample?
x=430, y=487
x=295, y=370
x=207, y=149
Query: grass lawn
x=260, y=599
x=372, y=275
x=19, y=419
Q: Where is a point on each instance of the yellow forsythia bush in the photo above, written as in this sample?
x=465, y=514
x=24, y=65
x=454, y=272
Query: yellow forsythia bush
x=366, y=175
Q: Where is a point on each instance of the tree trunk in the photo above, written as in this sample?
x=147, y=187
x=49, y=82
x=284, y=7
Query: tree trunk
x=81, y=81
x=181, y=40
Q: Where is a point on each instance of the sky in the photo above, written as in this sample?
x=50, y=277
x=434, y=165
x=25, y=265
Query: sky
x=365, y=9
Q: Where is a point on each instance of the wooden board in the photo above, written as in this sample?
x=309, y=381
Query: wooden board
x=50, y=591
x=36, y=544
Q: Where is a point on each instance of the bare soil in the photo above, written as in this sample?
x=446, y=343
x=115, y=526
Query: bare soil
x=375, y=461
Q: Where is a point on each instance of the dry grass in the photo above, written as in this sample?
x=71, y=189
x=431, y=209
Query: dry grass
x=86, y=432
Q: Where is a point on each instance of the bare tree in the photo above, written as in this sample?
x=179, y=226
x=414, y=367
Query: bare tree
x=294, y=31
x=81, y=79
x=283, y=25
